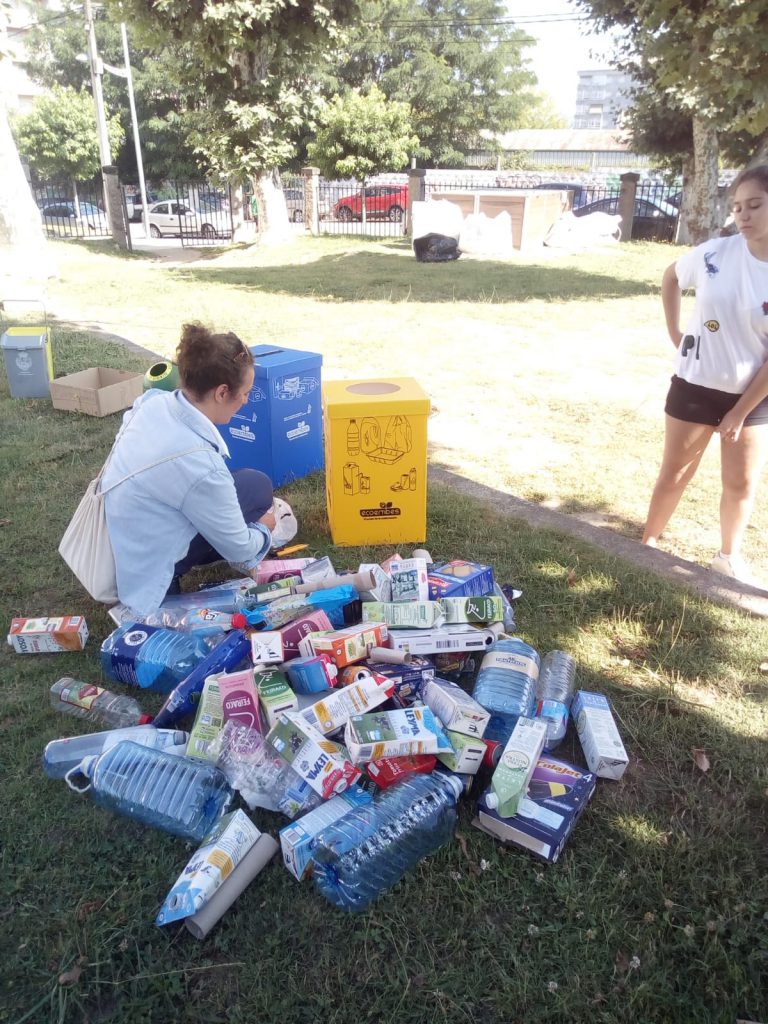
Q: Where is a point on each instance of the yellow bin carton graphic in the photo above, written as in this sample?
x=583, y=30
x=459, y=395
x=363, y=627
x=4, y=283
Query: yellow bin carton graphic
x=376, y=460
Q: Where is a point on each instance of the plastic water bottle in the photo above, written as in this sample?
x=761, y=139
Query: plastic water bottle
x=506, y=686
x=61, y=756
x=554, y=693
x=96, y=704
x=371, y=848
x=234, y=649
x=150, y=657
x=175, y=794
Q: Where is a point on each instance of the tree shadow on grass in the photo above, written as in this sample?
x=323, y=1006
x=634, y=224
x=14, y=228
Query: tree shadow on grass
x=383, y=276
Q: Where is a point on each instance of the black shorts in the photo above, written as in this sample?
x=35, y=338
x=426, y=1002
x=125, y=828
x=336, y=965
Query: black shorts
x=696, y=404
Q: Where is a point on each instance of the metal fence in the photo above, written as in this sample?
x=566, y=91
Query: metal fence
x=374, y=209
x=72, y=212
x=196, y=213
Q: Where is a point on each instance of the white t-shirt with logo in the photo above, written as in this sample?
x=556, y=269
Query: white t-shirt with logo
x=725, y=342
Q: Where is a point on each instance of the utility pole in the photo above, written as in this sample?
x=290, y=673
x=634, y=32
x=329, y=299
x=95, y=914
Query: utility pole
x=135, y=124
x=97, y=70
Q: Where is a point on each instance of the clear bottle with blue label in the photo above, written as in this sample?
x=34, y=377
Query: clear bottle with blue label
x=554, y=693
x=151, y=657
x=175, y=794
x=368, y=850
x=506, y=686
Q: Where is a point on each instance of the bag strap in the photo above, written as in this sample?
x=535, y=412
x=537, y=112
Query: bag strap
x=168, y=458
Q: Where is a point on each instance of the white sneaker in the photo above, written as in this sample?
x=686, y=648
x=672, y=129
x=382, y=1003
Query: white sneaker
x=733, y=566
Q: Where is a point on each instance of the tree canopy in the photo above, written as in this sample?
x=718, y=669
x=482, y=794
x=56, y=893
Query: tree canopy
x=361, y=134
x=459, y=64
x=58, y=136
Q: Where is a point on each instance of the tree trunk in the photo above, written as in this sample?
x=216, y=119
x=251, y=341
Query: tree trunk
x=273, y=214
x=24, y=254
x=701, y=220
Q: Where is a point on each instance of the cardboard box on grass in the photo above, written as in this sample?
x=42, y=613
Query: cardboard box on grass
x=97, y=391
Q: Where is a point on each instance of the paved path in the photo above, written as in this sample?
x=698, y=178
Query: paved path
x=697, y=578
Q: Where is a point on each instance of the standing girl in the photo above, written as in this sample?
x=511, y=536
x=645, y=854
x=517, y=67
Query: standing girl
x=721, y=375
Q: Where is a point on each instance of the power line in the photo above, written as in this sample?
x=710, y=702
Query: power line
x=40, y=23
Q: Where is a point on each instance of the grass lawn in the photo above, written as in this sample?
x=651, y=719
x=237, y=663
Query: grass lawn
x=547, y=373
x=656, y=911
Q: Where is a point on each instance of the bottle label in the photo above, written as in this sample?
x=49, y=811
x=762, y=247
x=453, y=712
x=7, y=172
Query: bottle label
x=125, y=651
x=552, y=710
x=511, y=661
x=81, y=696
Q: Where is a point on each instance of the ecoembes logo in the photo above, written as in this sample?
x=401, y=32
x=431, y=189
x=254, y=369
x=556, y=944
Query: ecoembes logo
x=386, y=510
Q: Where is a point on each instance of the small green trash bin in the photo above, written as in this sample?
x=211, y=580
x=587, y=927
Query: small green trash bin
x=28, y=361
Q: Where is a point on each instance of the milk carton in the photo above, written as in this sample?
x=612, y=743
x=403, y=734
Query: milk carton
x=318, y=761
x=467, y=755
x=336, y=707
x=299, y=839
x=600, y=739
x=209, y=721
x=275, y=695
x=394, y=734
x=409, y=579
x=404, y=614
x=515, y=768
x=455, y=708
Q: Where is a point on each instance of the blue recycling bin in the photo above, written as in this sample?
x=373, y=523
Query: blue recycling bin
x=279, y=430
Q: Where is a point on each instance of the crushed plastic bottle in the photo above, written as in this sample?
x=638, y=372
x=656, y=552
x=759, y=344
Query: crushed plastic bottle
x=370, y=849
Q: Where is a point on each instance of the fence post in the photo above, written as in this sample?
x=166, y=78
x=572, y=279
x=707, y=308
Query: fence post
x=627, y=203
x=114, y=202
x=417, y=191
x=311, y=177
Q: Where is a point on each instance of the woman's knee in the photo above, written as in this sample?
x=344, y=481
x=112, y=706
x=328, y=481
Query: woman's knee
x=254, y=492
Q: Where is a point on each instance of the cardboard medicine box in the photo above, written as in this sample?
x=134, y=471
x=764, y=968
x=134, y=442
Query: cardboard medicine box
x=48, y=635
x=97, y=391
x=279, y=429
x=376, y=460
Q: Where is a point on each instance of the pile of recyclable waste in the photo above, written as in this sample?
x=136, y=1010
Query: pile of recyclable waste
x=360, y=708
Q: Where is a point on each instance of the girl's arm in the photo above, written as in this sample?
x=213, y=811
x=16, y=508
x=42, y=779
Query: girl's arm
x=671, y=294
x=733, y=421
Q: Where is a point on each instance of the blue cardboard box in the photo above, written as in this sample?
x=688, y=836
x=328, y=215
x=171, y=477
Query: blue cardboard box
x=459, y=579
x=557, y=795
x=279, y=429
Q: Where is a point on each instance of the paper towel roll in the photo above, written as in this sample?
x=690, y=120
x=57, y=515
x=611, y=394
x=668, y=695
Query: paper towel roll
x=257, y=858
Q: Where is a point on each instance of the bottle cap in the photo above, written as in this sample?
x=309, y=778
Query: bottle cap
x=145, y=719
x=492, y=801
x=239, y=621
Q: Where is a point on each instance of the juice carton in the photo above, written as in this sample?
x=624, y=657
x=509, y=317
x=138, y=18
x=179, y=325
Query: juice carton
x=319, y=762
x=275, y=695
x=460, y=579
x=467, y=754
x=351, y=644
x=472, y=609
x=239, y=699
x=510, y=780
x=557, y=795
x=446, y=638
x=209, y=721
x=48, y=636
x=386, y=771
x=404, y=614
x=295, y=631
x=394, y=734
x=600, y=739
x=299, y=839
x=409, y=579
x=382, y=588
x=456, y=709
x=334, y=710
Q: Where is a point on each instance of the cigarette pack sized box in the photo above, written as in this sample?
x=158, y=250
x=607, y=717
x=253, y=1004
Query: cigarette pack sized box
x=351, y=644
x=557, y=795
x=459, y=579
x=48, y=635
x=600, y=739
x=455, y=708
x=446, y=638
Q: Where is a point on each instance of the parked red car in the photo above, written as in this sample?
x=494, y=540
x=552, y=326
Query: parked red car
x=387, y=202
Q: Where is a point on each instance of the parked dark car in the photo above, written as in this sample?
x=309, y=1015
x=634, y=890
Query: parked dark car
x=653, y=221
x=580, y=193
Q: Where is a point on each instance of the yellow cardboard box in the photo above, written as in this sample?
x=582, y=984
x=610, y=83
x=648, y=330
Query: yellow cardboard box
x=376, y=460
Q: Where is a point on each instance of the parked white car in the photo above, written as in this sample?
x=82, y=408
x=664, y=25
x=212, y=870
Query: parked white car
x=172, y=218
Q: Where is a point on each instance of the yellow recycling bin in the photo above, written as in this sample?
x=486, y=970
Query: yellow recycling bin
x=376, y=460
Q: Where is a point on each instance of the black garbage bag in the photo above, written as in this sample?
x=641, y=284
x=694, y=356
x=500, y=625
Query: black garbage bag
x=435, y=248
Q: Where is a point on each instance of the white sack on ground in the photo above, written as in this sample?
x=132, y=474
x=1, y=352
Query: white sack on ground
x=438, y=217
x=572, y=232
x=487, y=236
